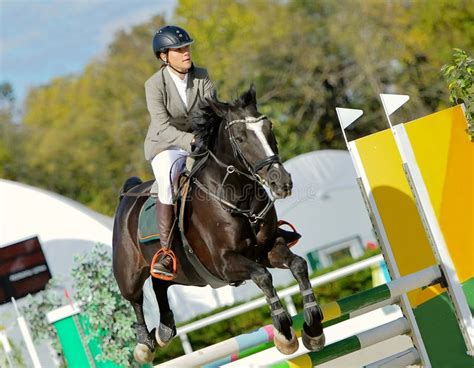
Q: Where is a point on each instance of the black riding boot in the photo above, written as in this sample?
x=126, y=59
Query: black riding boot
x=165, y=215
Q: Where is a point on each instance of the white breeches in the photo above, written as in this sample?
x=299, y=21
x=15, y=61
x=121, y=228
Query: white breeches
x=167, y=166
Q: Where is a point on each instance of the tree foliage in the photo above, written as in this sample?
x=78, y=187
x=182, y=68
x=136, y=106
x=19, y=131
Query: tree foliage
x=11, y=157
x=82, y=135
x=460, y=78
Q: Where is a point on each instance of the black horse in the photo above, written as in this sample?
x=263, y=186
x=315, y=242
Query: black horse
x=231, y=225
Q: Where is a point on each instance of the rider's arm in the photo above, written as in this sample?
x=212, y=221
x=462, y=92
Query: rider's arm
x=160, y=119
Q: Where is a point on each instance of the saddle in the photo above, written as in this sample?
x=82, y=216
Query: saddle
x=148, y=231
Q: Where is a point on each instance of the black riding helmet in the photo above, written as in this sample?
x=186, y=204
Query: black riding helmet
x=170, y=37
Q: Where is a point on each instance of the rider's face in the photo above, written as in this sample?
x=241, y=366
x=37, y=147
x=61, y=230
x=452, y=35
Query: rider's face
x=180, y=58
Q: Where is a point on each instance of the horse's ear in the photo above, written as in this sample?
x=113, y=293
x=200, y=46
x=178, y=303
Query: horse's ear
x=218, y=107
x=252, y=93
x=249, y=98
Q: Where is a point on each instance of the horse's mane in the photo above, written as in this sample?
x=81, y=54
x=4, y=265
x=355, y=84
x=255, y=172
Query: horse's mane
x=205, y=120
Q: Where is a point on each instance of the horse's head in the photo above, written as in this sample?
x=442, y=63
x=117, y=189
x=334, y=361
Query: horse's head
x=251, y=141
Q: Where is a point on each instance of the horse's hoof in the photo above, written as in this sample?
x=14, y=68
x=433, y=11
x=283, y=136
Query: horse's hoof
x=143, y=354
x=312, y=343
x=164, y=334
x=284, y=345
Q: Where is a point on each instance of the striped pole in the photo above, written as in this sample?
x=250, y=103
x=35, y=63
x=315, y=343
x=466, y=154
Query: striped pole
x=401, y=359
x=349, y=345
x=298, y=321
x=335, y=311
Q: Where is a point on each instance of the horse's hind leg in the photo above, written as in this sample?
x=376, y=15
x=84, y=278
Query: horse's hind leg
x=312, y=334
x=241, y=268
x=167, y=328
x=143, y=352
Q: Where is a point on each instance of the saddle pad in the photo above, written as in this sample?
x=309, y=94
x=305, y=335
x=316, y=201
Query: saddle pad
x=147, y=223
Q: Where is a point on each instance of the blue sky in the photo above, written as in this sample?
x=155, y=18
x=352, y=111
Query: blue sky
x=42, y=39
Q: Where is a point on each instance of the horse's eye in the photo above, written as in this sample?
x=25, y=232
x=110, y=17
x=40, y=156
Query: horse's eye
x=239, y=139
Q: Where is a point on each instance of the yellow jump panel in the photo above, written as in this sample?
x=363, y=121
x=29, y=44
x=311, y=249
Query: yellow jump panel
x=397, y=209
x=445, y=157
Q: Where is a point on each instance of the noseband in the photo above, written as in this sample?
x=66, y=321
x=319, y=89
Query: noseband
x=260, y=164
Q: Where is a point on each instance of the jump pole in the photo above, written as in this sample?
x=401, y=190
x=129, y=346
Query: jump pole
x=339, y=310
x=349, y=345
x=402, y=359
x=298, y=325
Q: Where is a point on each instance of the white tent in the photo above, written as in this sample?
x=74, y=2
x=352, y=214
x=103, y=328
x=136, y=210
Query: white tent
x=64, y=227
x=326, y=205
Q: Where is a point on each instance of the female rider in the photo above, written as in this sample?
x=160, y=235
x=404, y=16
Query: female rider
x=172, y=93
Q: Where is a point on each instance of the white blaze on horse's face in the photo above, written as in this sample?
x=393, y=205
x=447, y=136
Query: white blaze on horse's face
x=257, y=128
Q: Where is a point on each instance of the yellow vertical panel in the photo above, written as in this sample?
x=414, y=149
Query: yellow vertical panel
x=430, y=139
x=395, y=203
x=397, y=209
x=446, y=160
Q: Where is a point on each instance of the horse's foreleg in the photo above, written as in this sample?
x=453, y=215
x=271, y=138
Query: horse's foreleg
x=167, y=328
x=143, y=352
x=280, y=256
x=240, y=268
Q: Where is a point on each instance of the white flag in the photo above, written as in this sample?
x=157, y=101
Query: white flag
x=347, y=116
x=392, y=103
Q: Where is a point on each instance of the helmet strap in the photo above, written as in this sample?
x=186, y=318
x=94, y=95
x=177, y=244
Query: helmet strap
x=171, y=66
x=176, y=70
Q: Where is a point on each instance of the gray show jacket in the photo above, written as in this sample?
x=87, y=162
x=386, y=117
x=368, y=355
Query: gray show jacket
x=170, y=124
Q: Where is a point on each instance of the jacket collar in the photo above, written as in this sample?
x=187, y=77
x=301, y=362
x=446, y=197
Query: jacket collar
x=191, y=90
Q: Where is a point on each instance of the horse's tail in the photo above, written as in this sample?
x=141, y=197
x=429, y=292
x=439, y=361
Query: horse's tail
x=130, y=183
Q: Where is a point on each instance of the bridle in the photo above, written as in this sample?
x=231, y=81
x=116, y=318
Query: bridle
x=252, y=174
x=260, y=164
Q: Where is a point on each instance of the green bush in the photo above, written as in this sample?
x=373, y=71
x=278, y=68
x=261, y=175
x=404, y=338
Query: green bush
x=460, y=78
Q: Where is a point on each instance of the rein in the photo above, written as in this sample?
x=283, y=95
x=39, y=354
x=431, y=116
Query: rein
x=231, y=169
